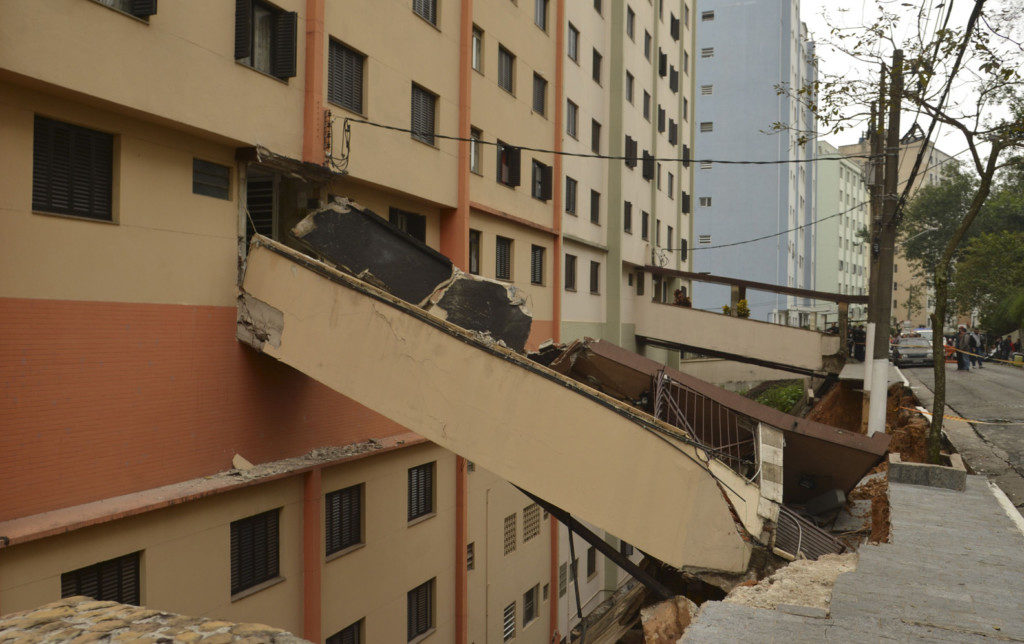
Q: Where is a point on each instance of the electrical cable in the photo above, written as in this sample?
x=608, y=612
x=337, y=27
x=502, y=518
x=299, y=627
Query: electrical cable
x=589, y=155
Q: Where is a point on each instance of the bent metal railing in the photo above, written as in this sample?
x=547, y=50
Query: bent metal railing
x=728, y=435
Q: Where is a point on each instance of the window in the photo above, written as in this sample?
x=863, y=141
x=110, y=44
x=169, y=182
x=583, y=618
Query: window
x=570, y=272
x=470, y=556
x=627, y=217
x=647, y=45
x=570, y=195
x=669, y=188
x=658, y=184
x=572, y=113
x=626, y=549
x=703, y=239
x=597, y=67
x=478, y=49
x=673, y=26
x=707, y=52
x=630, y=23
x=503, y=258
x=474, y=252
x=345, y=77
x=510, y=533
x=686, y=61
x=508, y=623
x=420, y=613
x=563, y=579
x=343, y=510
x=595, y=277
x=426, y=9
x=540, y=14
x=657, y=232
x=421, y=491
x=705, y=202
x=707, y=16
x=265, y=38
x=540, y=94
x=595, y=137
x=409, y=223
x=661, y=119
x=254, y=550
x=669, y=234
x=506, y=70
x=647, y=171
x=352, y=634
x=530, y=605
x=631, y=153
x=597, y=6
x=536, y=277
x=673, y=132
x=541, y=181
x=509, y=161
x=629, y=87
x=707, y=126
x=686, y=109
x=211, y=179
x=640, y=278
x=591, y=561
x=662, y=63
x=531, y=513
x=595, y=207
x=475, y=150
x=423, y=104
x=573, y=45
x=141, y=9
x=72, y=170
x=645, y=226
x=673, y=79
x=707, y=90
x=647, y=106
x=112, y=580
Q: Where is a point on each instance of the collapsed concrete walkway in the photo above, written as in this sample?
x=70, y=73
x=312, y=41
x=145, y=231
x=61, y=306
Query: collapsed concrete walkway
x=954, y=572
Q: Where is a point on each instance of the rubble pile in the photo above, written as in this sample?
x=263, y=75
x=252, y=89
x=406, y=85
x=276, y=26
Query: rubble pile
x=801, y=583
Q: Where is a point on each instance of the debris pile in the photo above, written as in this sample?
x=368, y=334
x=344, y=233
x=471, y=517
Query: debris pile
x=246, y=471
x=801, y=583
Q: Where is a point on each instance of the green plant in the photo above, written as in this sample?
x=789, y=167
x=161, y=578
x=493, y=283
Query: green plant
x=783, y=396
x=726, y=310
x=742, y=310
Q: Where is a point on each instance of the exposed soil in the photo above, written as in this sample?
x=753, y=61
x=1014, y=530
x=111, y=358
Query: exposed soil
x=802, y=582
x=840, y=407
x=880, y=517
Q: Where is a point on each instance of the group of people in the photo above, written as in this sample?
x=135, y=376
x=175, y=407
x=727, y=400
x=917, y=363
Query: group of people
x=1005, y=348
x=970, y=346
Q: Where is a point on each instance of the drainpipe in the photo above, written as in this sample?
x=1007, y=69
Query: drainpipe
x=313, y=109
x=556, y=274
x=311, y=564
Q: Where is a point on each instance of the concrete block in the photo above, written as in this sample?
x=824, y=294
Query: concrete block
x=803, y=611
x=831, y=500
x=940, y=476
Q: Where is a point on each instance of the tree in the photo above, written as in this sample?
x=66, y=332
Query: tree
x=983, y=60
x=990, y=278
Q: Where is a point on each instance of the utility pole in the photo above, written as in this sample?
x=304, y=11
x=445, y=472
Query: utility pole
x=873, y=177
x=883, y=248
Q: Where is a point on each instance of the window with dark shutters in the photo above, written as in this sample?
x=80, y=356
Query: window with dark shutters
x=595, y=277
x=673, y=26
x=673, y=132
x=661, y=119
x=595, y=137
x=645, y=226
x=72, y=170
x=260, y=195
x=503, y=258
x=686, y=156
x=684, y=200
x=540, y=94
x=283, y=56
x=683, y=249
x=266, y=37
x=536, y=264
x=541, y=181
x=421, y=490
x=345, y=77
x=648, y=165
x=641, y=277
x=506, y=70
x=673, y=79
x=426, y=9
x=343, y=510
x=662, y=63
x=141, y=9
x=570, y=272
x=211, y=179
x=352, y=634
x=627, y=217
x=570, y=195
x=254, y=550
x=509, y=161
x=420, y=613
x=597, y=67
x=595, y=207
x=423, y=121
x=631, y=150
x=112, y=580
x=474, y=252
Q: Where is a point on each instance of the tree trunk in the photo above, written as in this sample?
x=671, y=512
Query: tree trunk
x=938, y=362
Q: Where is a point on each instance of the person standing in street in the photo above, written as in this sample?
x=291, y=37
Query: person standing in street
x=962, y=344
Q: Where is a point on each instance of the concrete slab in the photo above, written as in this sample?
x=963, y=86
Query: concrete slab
x=855, y=371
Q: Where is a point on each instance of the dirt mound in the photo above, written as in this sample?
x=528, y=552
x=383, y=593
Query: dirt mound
x=840, y=407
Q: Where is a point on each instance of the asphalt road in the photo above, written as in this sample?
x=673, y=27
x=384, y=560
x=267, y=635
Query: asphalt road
x=994, y=394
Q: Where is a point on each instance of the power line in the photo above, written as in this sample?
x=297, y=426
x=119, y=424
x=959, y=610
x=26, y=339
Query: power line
x=585, y=155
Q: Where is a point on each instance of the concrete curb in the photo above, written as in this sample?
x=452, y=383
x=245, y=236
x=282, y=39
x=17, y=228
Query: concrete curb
x=950, y=478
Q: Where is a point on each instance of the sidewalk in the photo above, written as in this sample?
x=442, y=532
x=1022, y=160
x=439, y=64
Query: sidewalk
x=954, y=572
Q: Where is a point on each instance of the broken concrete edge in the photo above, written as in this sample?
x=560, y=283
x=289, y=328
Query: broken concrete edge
x=952, y=477
x=47, y=524
x=737, y=489
x=258, y=322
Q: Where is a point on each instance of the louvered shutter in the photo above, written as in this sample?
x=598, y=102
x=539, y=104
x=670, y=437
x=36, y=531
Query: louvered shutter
x=545, y=182
x=661, y=119
x=71, y=170
x=112, y=580
x=662, y=63
x=674, y=27
x=514, y=163
x=683, y=249
x=243, y=29
x=539, y=93
x=143, y=8
x=648, y=169
x=345, y=77
x=283, y=54
x=684, y=199
x=673, y=79
x=673, y=132
x=254, y=550
x=686, y=156
x=427, y=9
x=422, y=115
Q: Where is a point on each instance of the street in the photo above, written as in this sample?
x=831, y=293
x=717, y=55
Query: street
x=993, y=394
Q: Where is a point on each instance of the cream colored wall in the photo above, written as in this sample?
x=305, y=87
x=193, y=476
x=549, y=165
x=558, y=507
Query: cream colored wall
x=511, y=118
x=581, y=305
x=168, y=245
x=372, y=582
x=538, y=297
x=186, y=563
x=499, y=579
x=401, y=49
x=100, y=53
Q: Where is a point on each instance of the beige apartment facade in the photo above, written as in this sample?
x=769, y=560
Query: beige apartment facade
x=143, y=144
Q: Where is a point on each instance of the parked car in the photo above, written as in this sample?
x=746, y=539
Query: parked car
x=912, y=350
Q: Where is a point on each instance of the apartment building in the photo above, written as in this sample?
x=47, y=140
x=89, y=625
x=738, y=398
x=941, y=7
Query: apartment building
x=842, y=255
x=144, y=143
x=912, y=299
x=745, y=50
